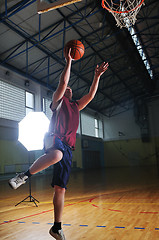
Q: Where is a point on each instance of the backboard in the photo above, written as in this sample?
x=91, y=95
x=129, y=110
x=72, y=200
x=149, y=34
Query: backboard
x=48, y=5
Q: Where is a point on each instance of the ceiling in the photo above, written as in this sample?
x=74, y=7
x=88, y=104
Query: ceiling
x=32, y=45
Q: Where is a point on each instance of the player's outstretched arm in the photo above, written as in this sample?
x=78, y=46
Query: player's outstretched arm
x=82, y=103
x=64, y=79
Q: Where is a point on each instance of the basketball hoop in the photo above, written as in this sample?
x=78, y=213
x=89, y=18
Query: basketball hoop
x=124, y=11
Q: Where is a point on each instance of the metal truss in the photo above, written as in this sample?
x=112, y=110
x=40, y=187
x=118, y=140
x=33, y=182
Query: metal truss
x=103, y=41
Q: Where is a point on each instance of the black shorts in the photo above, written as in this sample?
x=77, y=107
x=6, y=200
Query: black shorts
x=62, y=169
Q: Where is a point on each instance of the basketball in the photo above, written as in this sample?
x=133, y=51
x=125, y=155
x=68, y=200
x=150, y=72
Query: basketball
x=77, y=49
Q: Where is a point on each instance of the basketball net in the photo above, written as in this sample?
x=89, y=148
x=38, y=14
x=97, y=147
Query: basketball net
x=124, y=11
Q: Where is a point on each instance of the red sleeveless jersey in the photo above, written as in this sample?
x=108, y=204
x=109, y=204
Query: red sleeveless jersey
x=65, y=120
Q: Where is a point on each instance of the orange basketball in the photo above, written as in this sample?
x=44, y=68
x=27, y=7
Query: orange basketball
x=77, y=49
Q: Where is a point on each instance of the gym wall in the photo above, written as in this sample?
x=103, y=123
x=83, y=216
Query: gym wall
x=122, y=144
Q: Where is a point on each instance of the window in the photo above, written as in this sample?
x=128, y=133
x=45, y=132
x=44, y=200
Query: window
x=140, y=50
x=46, y=107
x=91, y=125
x=96, y=127
x=12, y=102
x=29, y=102
x=79, y=127
x=87, y=124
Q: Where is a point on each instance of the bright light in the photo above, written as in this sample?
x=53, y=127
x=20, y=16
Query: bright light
x=32, y=130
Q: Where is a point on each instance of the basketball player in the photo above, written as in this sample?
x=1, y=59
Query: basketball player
x=63, y=125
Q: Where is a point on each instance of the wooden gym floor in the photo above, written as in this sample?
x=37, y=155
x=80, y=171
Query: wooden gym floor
x=108, y=204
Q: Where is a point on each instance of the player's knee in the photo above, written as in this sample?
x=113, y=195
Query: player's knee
x=59, y=190
x=56, y=156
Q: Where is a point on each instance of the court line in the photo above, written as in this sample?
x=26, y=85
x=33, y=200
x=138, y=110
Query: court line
x=114, y=210
x=120, y=211
x=119, y=227
x=139, y=228
x=66, y=224
x=74, y=203
x=99, y=226
x=36, y=214
x=33, y=215
x=112, y=203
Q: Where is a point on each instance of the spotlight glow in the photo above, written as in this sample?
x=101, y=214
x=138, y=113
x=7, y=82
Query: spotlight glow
x=32, y=129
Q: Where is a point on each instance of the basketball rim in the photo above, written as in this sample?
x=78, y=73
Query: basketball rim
x=125, y=11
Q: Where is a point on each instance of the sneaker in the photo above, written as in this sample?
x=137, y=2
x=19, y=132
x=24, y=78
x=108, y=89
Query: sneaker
x=58, y=236
x=18, y=180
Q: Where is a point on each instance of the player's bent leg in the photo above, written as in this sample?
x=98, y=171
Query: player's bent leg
x=40, y=164
x=46, y=161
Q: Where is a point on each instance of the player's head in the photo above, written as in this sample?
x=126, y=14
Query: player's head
x=68, y=93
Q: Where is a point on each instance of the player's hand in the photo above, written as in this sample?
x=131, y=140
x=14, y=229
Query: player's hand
x=67, y=54
x=101, y=69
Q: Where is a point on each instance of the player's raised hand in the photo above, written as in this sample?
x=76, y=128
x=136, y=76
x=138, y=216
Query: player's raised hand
x=67, y=54
x=101, y=69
